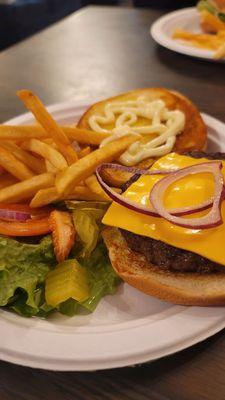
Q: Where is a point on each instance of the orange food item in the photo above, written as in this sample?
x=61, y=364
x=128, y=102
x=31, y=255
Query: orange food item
x=211, y=23
x=63, y=233
x=28, y=228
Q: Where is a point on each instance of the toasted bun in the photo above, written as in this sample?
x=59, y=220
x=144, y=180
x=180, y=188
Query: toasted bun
x=193, y=136
x=179, y=288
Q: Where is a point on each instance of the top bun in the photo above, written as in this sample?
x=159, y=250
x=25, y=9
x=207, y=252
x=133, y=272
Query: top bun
x=194, y=133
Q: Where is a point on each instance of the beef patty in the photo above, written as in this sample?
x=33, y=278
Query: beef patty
x=169, y=257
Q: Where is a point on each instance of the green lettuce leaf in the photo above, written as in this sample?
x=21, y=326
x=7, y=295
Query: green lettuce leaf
x=22, y=268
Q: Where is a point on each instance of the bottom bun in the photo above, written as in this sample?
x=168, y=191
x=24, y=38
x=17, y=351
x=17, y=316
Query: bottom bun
x=188, y=288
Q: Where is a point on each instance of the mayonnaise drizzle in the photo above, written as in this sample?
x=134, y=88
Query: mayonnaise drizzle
x=124, y=115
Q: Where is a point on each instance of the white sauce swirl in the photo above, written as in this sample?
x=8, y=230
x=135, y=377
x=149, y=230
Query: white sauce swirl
x=162, y=122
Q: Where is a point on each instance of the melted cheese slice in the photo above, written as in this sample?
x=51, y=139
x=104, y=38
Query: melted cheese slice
x=191, y=190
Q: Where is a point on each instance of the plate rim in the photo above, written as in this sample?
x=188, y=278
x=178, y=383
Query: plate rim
x=215, y=322
x=165, y=41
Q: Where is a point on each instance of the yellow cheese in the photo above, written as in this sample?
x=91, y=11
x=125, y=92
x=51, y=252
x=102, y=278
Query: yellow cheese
x=191, y=190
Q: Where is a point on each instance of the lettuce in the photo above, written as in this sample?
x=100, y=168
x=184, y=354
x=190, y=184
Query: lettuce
x=23, y=267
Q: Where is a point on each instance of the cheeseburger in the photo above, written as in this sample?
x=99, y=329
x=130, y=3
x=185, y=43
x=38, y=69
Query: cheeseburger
x=165, y=233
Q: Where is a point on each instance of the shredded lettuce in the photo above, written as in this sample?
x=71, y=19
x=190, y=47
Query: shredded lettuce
x=24, y=267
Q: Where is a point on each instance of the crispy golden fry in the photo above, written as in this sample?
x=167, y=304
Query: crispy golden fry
x=44, y=197
x=50, y=195
x=93, y=185
x=11, y=132
x=84, y=193
x=84, y=167
x=84, y=152
x=14, y=166
x=68, y=152
x=49, y=141
x=220, y=53
x=34, y=163
x=83, y=135
x=50, y=167
x=47, y=152
x=26, y=189
x=34, y=104
x=213, y=42
x=7, y=180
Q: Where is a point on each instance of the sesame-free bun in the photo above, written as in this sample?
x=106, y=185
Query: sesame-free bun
x=185, y=288
x=193, y=137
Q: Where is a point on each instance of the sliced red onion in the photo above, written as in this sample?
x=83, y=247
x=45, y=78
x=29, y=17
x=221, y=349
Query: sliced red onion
x=210, y=220
x=132, y=205
x=12, y=215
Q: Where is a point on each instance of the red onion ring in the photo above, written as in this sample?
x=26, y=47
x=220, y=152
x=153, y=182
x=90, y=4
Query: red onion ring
x=12, y=215
x=147, y=210
x=210, y=220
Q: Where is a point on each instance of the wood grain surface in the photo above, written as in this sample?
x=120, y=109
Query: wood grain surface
x=98, y=52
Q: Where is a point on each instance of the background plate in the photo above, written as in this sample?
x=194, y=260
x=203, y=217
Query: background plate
x=187, y=19
x=126, y=329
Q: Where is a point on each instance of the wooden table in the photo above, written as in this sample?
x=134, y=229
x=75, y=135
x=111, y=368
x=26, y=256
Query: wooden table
x=100, y=52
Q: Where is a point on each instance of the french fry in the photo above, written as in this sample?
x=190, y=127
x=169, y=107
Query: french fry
x=50, y=195
x=84, y=193
x=84, y=167
x=84, y=152
x=47, y=152
x=34, y=104
x=14, y=166
x=50, y=167
x=68, y=151
x=7, y=180
x=93, y=185
x=83, y=135
x=220, y=53
x=44, y=197
x=49, y=141
x=35, y=164
x=26, y=189
x=11, y=132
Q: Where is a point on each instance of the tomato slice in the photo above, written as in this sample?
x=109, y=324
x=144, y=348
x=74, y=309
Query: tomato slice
x=15, y=207
x=28, y=228
x=35, y=213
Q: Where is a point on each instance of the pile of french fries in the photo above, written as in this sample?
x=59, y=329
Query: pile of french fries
x=212, y=42
x=45, y=163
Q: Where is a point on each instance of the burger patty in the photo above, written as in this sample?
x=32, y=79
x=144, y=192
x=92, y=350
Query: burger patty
x=169, y=257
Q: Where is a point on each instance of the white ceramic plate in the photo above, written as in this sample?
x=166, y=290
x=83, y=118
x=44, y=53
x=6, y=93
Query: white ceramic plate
x=126, y=329
x=187, y=19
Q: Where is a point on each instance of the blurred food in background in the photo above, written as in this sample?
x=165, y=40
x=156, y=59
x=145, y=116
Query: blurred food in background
x=212, y=24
